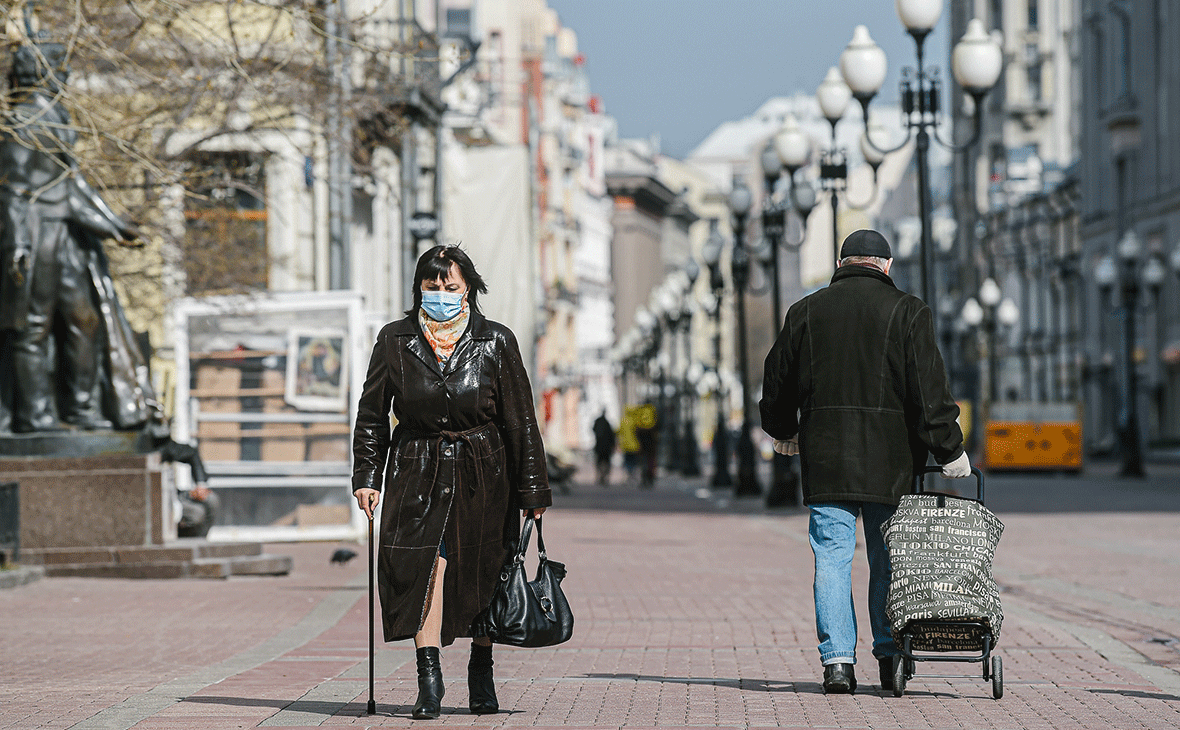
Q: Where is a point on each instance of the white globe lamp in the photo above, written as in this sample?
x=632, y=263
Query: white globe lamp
x=862, y=64
x=919, y=16
x=792, y=145
x=977, y=60
x=833, y=96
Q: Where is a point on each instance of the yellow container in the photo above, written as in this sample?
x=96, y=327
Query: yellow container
x=1016, y=445
x=1034, y=436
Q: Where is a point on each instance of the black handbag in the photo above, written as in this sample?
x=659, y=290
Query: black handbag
x=523, y=612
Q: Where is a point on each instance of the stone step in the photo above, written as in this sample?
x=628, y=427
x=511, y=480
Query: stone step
x=178, y=551
x=243, y=565
x=206, y=549
x=165, y=570
x=262, y=564
x=185, y=558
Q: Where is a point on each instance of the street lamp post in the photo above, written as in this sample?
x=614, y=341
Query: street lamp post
x=740, y=201
x=787, y=152
x=833, y=96
x=991, y=310
x=1127, y=273
x=690, y=453
x=977, y=61
x=666, y=306
x=711, y=255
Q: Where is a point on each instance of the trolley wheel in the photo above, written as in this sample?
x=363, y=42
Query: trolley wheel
x=898, y=676
x=997, y=677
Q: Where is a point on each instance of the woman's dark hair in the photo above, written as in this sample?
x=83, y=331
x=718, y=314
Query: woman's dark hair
x=436, y=264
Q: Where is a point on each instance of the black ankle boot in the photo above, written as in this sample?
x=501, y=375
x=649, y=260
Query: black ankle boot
x=430, y=685
x=481, y=688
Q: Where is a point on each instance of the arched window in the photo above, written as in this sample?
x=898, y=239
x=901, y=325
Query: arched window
x=1122, y=58
x=1094, y=22
x=225, y=224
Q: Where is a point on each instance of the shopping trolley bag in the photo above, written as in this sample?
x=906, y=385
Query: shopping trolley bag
x=940, y=550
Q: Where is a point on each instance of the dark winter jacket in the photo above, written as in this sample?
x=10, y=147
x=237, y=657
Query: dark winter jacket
x=604, y=438
x=857, y=375
x=465, y=456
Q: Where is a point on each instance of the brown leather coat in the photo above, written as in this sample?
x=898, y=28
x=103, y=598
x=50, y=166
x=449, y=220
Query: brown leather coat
x=465, y=456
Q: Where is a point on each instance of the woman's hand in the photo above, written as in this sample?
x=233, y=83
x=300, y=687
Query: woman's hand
x=537, y=511
x=367, y=499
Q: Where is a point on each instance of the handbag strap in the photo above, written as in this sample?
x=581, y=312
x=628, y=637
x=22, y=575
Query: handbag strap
x=526, y=535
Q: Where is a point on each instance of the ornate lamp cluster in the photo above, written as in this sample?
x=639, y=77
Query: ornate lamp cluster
x=1132, y=272
x=658, y=348
x=991, y=310
x=976, y=60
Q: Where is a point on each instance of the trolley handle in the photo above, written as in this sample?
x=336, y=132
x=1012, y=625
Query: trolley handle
x=920, y=482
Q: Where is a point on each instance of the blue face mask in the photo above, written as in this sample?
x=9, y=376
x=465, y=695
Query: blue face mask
x=442, y=306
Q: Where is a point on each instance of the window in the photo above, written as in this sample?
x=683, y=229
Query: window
x=225, y=214
x=459, y=22
x=1099, y=60
x=1033, y=15
x=1033, y=72
x=1122, y=56
x=1034, y=82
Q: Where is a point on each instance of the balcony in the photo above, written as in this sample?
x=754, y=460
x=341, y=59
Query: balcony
x=401, y=64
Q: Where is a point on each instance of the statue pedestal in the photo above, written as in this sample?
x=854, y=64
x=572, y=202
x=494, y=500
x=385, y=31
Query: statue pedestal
x=61, y=444
x=92, y=505
x=111, y=499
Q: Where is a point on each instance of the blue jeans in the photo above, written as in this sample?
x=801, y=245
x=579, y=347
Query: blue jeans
x=833, y=539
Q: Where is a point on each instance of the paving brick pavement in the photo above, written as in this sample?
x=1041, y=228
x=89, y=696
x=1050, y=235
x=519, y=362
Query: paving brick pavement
x=691, y=611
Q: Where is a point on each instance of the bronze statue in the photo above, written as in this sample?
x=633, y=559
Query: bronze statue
x=72, y=359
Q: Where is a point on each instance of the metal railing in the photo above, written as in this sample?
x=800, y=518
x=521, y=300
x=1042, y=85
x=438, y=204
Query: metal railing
x=402, y=59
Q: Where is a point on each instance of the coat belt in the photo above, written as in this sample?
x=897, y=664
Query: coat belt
x=468, y=437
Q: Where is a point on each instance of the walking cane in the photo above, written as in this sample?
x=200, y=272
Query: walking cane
x=372, y=709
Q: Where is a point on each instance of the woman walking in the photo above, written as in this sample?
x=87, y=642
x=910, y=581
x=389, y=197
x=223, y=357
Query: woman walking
x=465, y=455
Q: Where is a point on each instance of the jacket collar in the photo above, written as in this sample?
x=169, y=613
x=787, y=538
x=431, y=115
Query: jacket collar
x=852, y=270
x=408, y=329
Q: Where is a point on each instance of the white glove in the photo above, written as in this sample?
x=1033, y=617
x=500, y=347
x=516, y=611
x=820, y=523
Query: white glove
x=957, y=469
x=790, y=447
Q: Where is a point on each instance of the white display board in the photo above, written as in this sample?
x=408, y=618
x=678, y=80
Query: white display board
x=267, y=386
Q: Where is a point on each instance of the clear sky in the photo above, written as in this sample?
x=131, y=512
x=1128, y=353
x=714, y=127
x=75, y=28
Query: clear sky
x=679, y=68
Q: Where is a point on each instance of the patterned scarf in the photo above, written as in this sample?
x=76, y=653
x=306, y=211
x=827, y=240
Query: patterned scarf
x=443, y=336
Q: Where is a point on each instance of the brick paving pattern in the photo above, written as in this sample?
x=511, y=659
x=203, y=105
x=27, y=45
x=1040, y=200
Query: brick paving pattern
x=690, y=612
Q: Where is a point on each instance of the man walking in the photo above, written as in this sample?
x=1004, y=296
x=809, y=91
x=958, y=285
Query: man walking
x=856, y=386
x=604, y=448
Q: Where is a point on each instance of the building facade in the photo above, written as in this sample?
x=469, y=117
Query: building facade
x=1130, y=183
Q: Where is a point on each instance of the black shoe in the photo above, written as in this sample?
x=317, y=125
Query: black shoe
x=481, y=689
x=886, y=664
x=430, y=685
x=839, y=679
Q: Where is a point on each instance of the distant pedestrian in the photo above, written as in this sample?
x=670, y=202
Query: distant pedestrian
x=856, y=386
x=646, y=432
x=629, y=443
x=604, y=448
x=465, y=456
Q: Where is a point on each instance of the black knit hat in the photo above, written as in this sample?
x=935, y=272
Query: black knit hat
x=865, y=243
